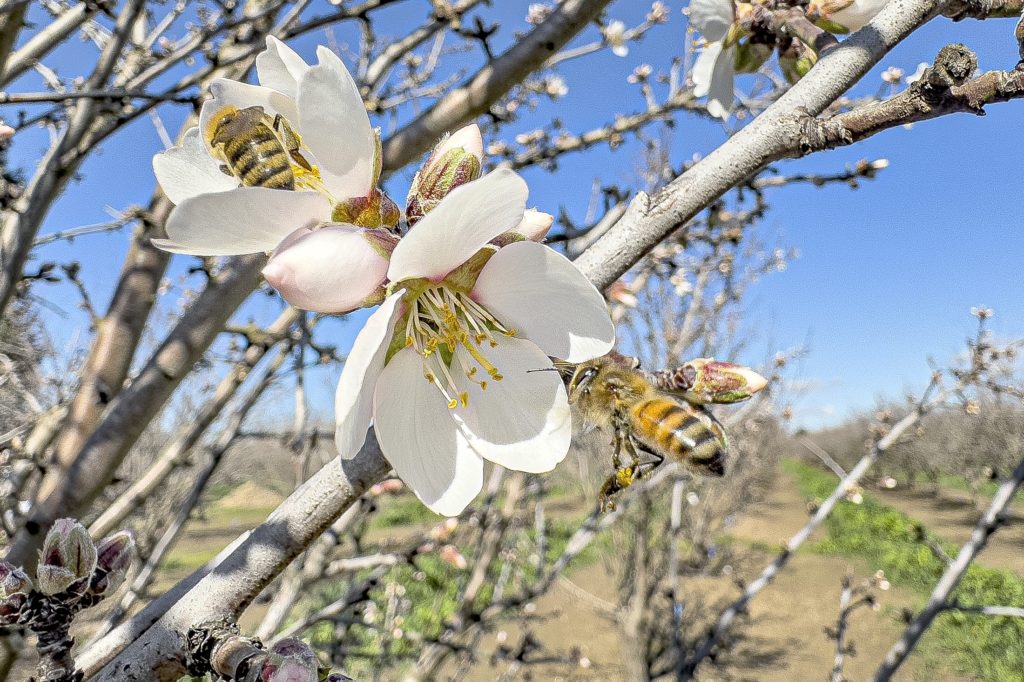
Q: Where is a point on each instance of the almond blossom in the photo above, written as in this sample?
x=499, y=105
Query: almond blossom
x=615, y=34
x=852, y=15
x=445, y=368
x=217, y=215
x=714, y=72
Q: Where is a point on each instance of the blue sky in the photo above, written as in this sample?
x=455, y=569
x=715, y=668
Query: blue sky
x=886, y=275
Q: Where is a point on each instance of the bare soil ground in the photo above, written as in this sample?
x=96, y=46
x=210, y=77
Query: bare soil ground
x=782, y=640
x=952, y=514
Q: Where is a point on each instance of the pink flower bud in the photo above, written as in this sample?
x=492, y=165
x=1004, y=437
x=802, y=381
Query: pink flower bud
x=6, y=132
x=68, y=555
x=457, y=160
x=334, y=269
x=451, y=555
x=14, y=588
x=114, y=555
x=388, y=487
x=444, y=530
x=709, y=381
x=290, y=660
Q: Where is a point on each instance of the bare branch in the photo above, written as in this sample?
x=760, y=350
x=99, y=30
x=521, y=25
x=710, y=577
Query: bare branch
x=939, y=599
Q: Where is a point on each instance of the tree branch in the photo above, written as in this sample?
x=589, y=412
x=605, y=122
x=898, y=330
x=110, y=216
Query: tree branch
x=939, y=599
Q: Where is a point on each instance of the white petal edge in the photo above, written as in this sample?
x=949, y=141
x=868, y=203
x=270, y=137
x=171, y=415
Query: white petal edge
x=241, y=220
x=464, y=221
x=334, y=124
x=279, y=67
x=242, y=96
x=418, y=435
x=704, y=67
x=521, y=422
x=722, y=94
x=188, y=170
x=330, y=270
x=711, y=17
x=541, y=294
x=353, y=399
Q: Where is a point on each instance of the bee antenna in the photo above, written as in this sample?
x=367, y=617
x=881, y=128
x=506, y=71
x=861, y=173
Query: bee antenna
x=543, y=369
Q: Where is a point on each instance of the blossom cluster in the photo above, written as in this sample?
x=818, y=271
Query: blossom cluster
x=471, y=304
x=723, y=25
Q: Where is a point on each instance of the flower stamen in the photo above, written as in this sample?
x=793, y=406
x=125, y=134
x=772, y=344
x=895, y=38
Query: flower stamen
x=447, y=319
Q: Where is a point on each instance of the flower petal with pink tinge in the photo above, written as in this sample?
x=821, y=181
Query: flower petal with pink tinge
x=329, y=270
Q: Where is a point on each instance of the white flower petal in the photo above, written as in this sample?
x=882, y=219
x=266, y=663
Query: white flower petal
x=711, y=17
x=464, y=221
x=722, y=93
x=714, y=75
x=229, y=93
x=189, y=170
x=421, y=440
x=620, y=50
x=330, y=270
x=241, y=220
x=334, y=124
x=521, y=422
x=468, y=138
x=858, y=13
x=279, y=67
x=535, y=224
x=704, y=68
x=537, y=291
x=353, y=400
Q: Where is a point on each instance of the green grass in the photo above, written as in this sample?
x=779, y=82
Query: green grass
x=989, y=648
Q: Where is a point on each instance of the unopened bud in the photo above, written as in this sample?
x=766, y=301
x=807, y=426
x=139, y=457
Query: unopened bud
x=451, y=555
x=710, y=381
x=388, y=487
x=290, y=660
x=14, y=588
x=6, y=132
x=373, y=211
x=443, y=530
x=68, y=555
x=534, y=225
x=457, y=160
x=114, y=555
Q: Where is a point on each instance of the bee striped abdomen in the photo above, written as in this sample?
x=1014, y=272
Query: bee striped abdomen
x=680, y=433
x=258, y=159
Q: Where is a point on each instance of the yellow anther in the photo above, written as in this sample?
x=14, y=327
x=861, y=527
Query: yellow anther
x=464, y=397
x=483, y=385
x=408, y=341
x=452, y=404
x=496, y=376
x=471, y=373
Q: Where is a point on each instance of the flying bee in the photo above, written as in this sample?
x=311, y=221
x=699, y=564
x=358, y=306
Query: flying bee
x=644, y=419
x=255, y=147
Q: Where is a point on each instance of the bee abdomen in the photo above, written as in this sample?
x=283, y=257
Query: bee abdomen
x=681, y=434
x=258, y=159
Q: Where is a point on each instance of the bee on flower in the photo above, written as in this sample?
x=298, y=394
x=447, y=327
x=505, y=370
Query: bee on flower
x=289, y=166
x=470, y=302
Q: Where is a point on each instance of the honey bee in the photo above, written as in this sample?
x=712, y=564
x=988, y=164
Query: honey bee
x=256, y=148
x=644, y=420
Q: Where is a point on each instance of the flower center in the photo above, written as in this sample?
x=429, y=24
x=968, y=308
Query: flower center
x=442, y=319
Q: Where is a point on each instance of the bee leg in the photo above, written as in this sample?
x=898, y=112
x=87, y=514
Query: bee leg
x=616, y=483
x=291, y=140
x=225, y=170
